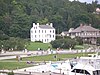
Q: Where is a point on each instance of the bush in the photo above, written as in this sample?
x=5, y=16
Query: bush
x=56, y=43
x=98, y=41
x=60, y=37
x=64, y=43
x=11, y=73
x=79, y=40
x=39, y=41
x=14, y=43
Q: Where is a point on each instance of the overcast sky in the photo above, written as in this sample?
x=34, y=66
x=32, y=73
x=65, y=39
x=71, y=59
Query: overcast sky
x=88, y=1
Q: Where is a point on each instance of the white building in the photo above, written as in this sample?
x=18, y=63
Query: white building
x=43, y=33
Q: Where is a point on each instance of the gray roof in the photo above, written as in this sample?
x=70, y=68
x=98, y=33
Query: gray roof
x=85, y=28
x=46, y=27
x=65, y=32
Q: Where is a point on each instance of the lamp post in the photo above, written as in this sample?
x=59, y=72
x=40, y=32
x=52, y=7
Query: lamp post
x=25, y=50
x=2, y=46
x=16, y=47
x=2, y=51
x=60, y=70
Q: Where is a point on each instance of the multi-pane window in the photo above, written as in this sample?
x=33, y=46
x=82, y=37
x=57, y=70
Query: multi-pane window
x=35, y=36
x=35, y=31
x=50, y=36
x=50, y=31
x=53, y=36
x=45, y=40
x=53, y=31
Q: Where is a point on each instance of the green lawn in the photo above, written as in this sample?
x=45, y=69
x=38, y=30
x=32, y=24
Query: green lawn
x=44, y=46
x=13, y=65
x=36, y=45
x=85, y=46
x=79, y=47
x=51, y=57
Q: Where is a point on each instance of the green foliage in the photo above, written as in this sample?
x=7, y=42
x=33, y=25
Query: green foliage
x=17, y=16
x=64, y=43
x=43, y=21
x=59, y=37
x=13, y=65
x=63, y=37
x=3, y=36
x=10, y=73
x=79, y=40
x=13, y=43
x=98, y=41
x=79, y=47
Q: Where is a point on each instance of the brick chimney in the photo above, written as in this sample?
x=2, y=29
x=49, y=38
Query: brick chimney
x=89, y=24
x=51, y=24
x=37, y=24
x=33, y=24
x=81, y=25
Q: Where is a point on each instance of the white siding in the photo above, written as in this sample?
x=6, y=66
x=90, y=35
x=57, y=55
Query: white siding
x=44, y=35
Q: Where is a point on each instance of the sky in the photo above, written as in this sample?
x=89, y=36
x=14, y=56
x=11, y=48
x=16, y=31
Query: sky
x=88, y=1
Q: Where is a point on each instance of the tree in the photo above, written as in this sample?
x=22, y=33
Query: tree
x=79, y=40
x=19, y=15
x=64, y=43
x=3, y=36
x=98, y=41
x=43, y=21
x=13, y=43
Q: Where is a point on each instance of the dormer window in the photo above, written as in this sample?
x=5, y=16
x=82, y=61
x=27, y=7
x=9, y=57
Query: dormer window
x=35, y=31
x=50, y=31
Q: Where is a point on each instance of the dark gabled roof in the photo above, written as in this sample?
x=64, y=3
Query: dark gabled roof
x=46, y=27
x=85, y=28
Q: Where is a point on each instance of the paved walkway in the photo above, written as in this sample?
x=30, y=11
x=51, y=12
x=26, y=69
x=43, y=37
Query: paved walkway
x=11, y=55
x=28, y=73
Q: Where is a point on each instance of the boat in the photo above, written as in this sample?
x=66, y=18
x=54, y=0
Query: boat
x=61, y=67
x=87, y=66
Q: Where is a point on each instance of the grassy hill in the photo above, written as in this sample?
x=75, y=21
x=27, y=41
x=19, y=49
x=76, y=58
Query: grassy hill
x=36, y=45
x=44, y=46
